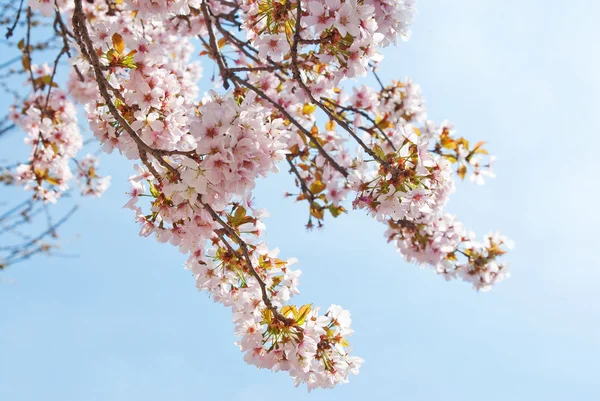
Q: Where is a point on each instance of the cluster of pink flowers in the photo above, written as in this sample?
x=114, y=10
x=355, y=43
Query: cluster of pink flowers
x=453, y=252
x=310, y=346
x=346, y=33
x=411, y=188
x=50, y=122
x=218, y=148
x=199, y=160
x=90, y=182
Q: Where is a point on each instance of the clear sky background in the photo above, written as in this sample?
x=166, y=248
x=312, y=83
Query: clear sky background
x=123, y=321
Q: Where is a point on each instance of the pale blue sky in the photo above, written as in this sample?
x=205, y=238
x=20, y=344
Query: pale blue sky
x=124, y=321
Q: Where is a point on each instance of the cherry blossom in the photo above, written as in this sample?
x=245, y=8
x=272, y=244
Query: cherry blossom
x=280, y=101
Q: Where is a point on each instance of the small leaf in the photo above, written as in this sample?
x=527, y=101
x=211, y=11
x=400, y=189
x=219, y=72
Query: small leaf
x=302, y=314
x=379, y=152
x=463, y=142
x=478, y=145
x=317, y=187
x=111, y=55
x=294, y=149
x=317, y=212
x=462, y=171
x=47, y=79
x=478, y=148
x=238, y=217
x=308, y=109
x=153, y=190
x=336, y=210
x=267, y=315
x=314, y=130
x=118, y=43
x=289, y=309
x=52, y=180
x=448, y=142
x=383, y=122
x=26, y=61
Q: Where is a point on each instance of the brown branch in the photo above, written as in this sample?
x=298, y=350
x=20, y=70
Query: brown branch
x=85, y=43
x=11, y=30
x=307, y=192
x=27, y=50
x=231, y=233
x=288, y=116
x=214, y=48
x=13, y=258
x=365, y=115
x=65, y=33
x=82, y=36
x=298, y=78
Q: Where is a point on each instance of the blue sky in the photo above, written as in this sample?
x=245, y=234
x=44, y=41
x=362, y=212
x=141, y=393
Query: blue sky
x=123, y=321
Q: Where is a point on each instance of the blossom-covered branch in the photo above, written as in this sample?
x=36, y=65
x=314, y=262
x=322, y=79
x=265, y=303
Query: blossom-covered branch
x=283, y=66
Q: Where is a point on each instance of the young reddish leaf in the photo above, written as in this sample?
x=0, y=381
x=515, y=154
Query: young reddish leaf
x=118, y=43
x=317, y=212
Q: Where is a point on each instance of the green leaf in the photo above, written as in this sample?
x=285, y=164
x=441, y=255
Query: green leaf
x=238, y=216
x=153, y=190
x=303, y=313
x=336, y=210
x=379, y=152
x=289, y=309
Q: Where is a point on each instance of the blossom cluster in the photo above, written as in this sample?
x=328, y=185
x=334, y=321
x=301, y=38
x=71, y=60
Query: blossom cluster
x=50, y=121
x=217, y=148
x=90, y=182
x=410, y=186
x=310, y=346
x=198, y=160
x=343, y=34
